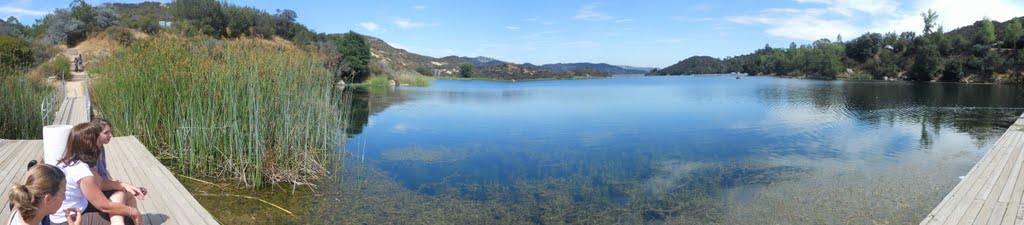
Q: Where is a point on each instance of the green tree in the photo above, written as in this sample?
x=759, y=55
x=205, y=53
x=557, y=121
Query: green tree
x=926, y=61
x=248, y=21
x=202, y=16
x=284, y=23
x=61, y=27
x=953, y=71
x=14, y=53
x=942, y=44
x=11, y=29
x=466, y=70
x=104, y=17
x=355, y=57
x=987, y=35
x=1013, y=33
x=83, y=12
x=864, y=47
x=885, y=66
x=930, y=18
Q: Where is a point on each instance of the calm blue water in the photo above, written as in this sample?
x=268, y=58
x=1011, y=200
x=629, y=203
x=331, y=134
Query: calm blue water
x=692, y=149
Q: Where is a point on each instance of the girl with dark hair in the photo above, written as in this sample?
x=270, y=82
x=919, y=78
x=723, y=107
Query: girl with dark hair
x=85, y=187
x=104, y=138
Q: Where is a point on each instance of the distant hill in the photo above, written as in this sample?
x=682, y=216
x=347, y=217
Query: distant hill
x=511, y=71
x=693, y=65
x=562, y=67
x=610, y=69
x=395, y=59
x=483, y=61
x=388, y=58
x=645, y=69
x=985, y=51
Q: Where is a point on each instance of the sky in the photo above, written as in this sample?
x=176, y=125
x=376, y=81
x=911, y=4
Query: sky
x=633, y=33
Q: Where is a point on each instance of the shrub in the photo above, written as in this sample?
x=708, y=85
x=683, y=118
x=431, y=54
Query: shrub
x=121, y=35
x=14, y=53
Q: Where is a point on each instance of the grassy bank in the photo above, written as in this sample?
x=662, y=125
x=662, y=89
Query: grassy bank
x=21, y=116
x=248, y=109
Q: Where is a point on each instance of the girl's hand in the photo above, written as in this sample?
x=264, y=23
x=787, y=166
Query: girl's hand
x=74, y=216
x=134, y=191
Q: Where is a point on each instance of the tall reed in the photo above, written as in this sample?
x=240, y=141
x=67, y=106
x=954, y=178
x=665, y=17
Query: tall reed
x=249, y=109
x=22, y=113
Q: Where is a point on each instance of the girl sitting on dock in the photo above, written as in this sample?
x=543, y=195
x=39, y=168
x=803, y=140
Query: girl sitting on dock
x=40, y=195
x=85, y=187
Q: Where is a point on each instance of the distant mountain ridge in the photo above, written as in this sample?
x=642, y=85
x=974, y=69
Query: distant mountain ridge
x=483, y=61
x=693, y=65
x=388, y=58
x=562, y=67
x=610, y=69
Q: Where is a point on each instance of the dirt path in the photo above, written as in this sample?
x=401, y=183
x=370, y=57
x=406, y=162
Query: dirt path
x=74, y=108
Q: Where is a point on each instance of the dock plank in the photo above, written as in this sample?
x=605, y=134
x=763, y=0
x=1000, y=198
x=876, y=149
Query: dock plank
x=945, y=208
x=14, y=168
x=991, y=192
x=167, y=203
x=993, y=188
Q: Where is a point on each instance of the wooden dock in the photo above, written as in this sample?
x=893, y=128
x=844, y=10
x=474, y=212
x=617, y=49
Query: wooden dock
x=168, y=201
x=72, y=109
x=991, y=192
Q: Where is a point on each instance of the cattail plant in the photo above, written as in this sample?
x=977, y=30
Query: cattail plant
x=248, y=109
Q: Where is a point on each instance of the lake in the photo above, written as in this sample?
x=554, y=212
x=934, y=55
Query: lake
x=675, y=150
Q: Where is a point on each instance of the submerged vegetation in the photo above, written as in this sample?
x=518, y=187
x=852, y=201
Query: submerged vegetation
x=247, y=109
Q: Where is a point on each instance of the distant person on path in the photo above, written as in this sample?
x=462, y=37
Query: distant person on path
x=41, y=194
x=85, y=187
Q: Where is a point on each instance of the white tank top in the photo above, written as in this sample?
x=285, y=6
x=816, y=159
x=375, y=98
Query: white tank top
x=14, y=218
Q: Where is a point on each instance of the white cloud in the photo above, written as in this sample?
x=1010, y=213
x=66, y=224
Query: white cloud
x=406, y=23
x=589, y=12
x=623, y=20
x=370, y=26
x=15, y=11
x=873, y=7
x=803, y=24
x=511, y=27
x=827, y=18
x=419, y=7
x=952, y=14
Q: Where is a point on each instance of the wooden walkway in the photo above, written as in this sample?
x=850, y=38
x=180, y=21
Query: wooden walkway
x=991, y=192
x=72, y=110
x=168, y=201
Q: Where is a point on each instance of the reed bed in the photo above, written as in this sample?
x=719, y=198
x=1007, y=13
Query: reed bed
x=247, y=109
x=22, y=110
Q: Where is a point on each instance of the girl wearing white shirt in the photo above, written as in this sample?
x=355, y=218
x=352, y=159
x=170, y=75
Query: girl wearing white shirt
x=85, y=187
